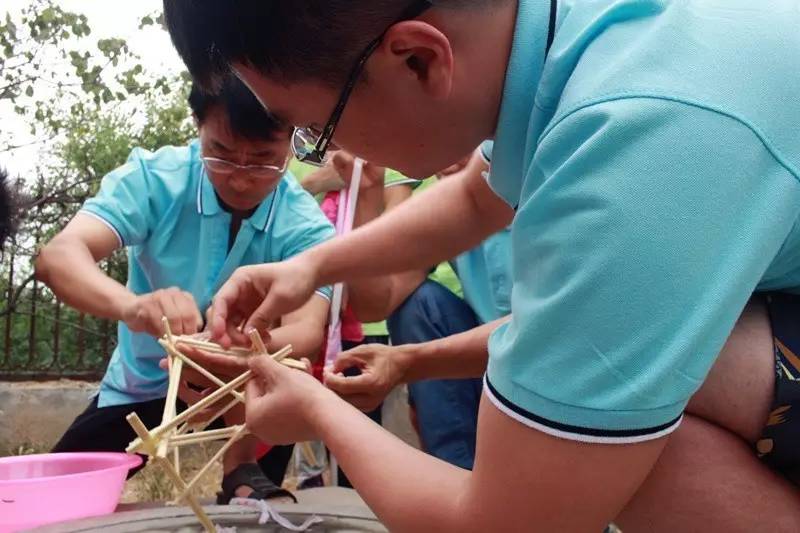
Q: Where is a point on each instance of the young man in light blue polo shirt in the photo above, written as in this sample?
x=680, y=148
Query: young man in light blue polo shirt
x=189, y=217
x=646, y=152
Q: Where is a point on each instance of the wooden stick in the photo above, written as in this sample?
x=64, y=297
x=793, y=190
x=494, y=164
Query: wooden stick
x=197, y=343
x=170, y=409
x=187, y=496
x=214, y=348
x=176, y=459
x=212, y=434
x=203, y=425
x=282, y=354
x=208, y=375
x=194, y=409
x=167, y=330
x=258, y=342
x=294, y=363
x=240, y=432
x=148, y=443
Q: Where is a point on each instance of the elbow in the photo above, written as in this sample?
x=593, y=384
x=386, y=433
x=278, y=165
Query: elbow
x=42, y=266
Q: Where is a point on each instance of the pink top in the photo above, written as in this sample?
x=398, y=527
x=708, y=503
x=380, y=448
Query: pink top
x=351, y=327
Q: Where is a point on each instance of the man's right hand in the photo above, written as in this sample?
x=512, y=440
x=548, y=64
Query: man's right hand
x=144, y=313
x=256, y=296
x=382, y=369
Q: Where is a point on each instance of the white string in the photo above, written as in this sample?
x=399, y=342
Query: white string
x=269, y=513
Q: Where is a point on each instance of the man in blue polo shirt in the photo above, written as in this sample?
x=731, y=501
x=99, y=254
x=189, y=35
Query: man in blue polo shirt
x=646, y=152
x=188, y=217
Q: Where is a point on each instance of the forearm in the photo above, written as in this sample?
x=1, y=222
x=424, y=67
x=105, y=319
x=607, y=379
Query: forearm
x=427, y=229
x=74, y=277
x=459, y=356
x=428, y=500
x=305, y=337
x=373, y=299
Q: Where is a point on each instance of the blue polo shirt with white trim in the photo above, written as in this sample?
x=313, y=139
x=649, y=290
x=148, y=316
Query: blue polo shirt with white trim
x=652, y=157
x=164, y=210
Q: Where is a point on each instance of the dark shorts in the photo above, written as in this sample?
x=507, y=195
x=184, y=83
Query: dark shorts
x=779, y=446
x=105, y=429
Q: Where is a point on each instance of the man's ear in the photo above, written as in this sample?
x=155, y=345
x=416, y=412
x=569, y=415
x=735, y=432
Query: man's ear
x=424, y=53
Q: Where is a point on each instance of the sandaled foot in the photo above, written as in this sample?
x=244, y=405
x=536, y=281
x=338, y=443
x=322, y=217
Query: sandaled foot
x=250, y=475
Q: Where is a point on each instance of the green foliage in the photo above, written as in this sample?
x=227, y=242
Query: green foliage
x=94, y=105
x=46, y=49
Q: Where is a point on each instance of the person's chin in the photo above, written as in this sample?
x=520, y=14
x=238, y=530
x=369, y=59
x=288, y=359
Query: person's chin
x=240, y=204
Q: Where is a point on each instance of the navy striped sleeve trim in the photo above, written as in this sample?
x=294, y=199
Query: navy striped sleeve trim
x=577, y=433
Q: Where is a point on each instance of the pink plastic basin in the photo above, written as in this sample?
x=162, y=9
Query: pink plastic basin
x=56, y=487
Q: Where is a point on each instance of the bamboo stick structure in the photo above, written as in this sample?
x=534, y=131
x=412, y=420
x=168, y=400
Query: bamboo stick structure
x=177, y=429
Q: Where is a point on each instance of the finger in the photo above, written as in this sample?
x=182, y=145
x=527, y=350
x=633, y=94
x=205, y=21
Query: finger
x=188, y=394
x=225, y=365
x=190, y=375
x=235, y=332
x=365, y=383
x=346, y=360
x=254, y=390
x=163, y=364
x=264, y=315
x=221, y=306
x=265, y=368
x=169, y=309
x=190, y=314
x=149, y=315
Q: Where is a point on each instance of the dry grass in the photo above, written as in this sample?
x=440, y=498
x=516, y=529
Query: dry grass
x=151, y=484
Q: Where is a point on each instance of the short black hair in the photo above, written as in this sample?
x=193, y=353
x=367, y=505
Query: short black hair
x=246, y=116
x=293, y=39
x=8, y=208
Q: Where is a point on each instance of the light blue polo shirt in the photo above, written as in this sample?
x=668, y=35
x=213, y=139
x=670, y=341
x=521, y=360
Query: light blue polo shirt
x=485, y=271
x=164, y=210
x=653, y=160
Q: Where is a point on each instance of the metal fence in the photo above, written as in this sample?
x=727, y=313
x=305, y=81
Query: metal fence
x=42, y=338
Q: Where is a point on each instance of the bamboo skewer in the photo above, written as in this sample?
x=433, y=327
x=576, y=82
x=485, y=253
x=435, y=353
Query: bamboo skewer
x=208, y=375
x=241, y=431
x=194, y=409
x=173, y=432
x=204, y=435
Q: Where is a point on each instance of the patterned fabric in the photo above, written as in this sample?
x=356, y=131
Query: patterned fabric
x=779, y=446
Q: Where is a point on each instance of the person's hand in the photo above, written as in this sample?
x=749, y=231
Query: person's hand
x=323, y=180
x=144, y=313
x=372, y=176
x=382, y=369
x=454, y=168
x=281, y=402
x=255, y=297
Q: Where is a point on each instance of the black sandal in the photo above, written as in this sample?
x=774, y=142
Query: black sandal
x=250, y=475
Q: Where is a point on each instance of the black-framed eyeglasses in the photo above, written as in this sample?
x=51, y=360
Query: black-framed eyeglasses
x=224, y=167
x=310, y=146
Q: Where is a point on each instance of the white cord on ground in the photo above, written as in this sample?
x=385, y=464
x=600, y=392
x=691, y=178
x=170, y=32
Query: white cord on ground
x=269, y=513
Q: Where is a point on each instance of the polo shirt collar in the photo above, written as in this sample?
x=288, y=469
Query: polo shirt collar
x=525, y=65
x=208, y=204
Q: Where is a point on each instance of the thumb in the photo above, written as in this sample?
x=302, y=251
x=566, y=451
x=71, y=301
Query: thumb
x=264, y=368
x=346, y=360
x=264, y=315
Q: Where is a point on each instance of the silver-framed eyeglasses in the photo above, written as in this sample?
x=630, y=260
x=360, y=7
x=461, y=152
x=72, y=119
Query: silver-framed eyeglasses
x=225, y=167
